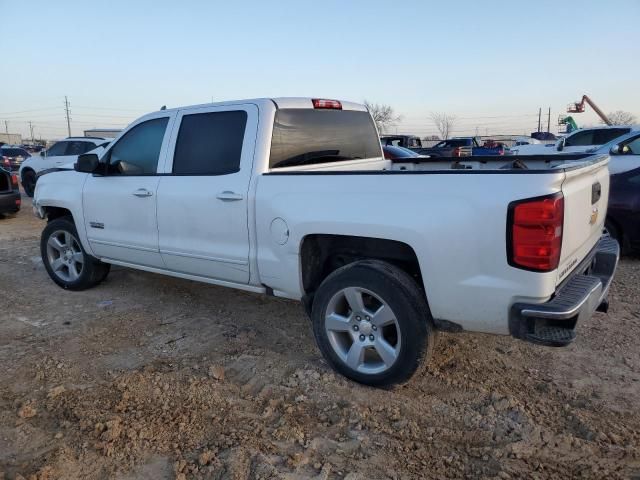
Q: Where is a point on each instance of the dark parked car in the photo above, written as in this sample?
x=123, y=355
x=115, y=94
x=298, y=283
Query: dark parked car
x=623, y=215
x=9, y=192
x=12, y=157
x=393, y=153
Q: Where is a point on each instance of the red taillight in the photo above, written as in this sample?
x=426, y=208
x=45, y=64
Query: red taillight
x=14, y=180
x=455, y=152
x=326, y=104
x=535, y=233
x=18, y=202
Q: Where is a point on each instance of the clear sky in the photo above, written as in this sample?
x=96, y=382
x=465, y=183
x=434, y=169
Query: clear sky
x=491, y=63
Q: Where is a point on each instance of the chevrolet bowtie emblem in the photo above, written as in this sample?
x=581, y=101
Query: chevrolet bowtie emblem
x=594, y=216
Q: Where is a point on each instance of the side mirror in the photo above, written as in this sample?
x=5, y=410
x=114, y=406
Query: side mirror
x=87, y=163
x=560, y=145
x=616, y=150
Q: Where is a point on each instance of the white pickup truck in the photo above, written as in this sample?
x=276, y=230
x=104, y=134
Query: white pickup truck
x=292, y=197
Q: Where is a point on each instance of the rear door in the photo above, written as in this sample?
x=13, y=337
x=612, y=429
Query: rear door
x=120, y=206
x=586, y=194
x=203, y=200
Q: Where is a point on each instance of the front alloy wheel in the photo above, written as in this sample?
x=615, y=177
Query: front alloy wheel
x=65, y=260
x=65, y=256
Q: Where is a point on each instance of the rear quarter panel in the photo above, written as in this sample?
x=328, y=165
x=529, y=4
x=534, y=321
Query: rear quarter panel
x=455, y=223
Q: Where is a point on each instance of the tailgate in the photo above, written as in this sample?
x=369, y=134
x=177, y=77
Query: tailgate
x=586, y=194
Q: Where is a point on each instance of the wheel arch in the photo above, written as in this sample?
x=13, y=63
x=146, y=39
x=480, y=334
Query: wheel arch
x=52, y=213
x=322, y=254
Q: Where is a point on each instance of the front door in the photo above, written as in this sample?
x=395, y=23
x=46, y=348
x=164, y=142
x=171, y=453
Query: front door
x=120, y=206
x=202, y=202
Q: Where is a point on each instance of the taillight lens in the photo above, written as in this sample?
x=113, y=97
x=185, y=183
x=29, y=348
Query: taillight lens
x=535, y=233
x=455, y=152
x=321, y=103
x=14, y=180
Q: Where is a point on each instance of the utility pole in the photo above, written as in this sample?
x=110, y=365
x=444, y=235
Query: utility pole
x=31, y=129
x=6, y=126
x=66, y=109
x=549, y=121
x=539, y=118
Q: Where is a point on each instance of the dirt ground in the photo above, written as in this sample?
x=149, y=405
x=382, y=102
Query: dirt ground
x=150, y=377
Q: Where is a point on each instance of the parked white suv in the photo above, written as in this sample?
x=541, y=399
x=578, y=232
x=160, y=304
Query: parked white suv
x=60, y=156
x=580, y=141
x=292, y=197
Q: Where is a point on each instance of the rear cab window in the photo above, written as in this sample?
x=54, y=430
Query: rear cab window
x=318, y=136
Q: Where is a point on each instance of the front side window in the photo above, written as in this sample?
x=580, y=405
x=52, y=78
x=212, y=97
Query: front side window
x=57, y=149
x=307, y=137
x=137, y=152
x=210, y=143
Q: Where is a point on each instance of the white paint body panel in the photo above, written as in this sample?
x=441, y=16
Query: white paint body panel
x=455, y=221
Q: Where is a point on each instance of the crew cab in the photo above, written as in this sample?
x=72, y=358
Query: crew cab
x=292, y=197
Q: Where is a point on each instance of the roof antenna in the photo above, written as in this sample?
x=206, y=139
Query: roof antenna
x=163, y=107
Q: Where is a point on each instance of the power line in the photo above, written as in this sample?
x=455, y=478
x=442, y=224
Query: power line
x=27, y=111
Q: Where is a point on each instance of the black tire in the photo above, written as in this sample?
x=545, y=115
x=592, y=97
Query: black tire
x=29, y=182
x=92, y=270
x=411, y=312
x=614, y=231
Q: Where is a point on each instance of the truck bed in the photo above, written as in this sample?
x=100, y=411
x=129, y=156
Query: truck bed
x=454, y=218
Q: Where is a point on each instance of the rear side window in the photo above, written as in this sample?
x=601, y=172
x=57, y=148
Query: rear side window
x=600, y=137
x=210, y=143
x=78, y=148
x=309, y=137
x=137, y=152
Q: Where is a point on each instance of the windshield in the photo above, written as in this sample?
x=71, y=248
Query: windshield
x=308, y=137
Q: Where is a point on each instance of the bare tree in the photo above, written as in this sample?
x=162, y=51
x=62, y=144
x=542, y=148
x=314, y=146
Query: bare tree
x=444, y=123
x=620, y=117
x=384, y=116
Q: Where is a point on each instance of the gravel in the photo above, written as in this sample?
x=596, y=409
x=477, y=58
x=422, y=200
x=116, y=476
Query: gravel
x=153, y=377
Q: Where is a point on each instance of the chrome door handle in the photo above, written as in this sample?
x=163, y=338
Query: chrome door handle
x=142, y=192
x=228, y=196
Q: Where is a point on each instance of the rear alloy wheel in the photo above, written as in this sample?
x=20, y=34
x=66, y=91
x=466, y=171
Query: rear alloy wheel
x=372, y=323
x=29, y=182
x=362, y=330
x=66, y=261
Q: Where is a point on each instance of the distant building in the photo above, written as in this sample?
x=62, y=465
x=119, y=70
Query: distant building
x=11, y=138
x=102, y=132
